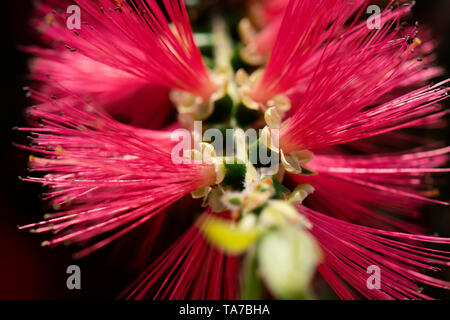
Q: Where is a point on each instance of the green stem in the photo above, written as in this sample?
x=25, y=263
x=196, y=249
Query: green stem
x=223, y=53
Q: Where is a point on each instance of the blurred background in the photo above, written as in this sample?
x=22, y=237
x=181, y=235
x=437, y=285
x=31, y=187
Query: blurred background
x=28, y=271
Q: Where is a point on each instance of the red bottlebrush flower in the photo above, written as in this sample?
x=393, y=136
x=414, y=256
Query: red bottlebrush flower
x=93, y=159
x=333, y=203
x=359, y=188
x=348, y=247
x=120, y=93
x=141, y=42
x=190, y=268
x=127, y=60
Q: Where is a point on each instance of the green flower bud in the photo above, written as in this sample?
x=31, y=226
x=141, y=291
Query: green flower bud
x=287, y=260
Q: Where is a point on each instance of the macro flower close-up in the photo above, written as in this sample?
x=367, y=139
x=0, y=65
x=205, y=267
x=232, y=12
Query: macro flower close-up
x=253, y=149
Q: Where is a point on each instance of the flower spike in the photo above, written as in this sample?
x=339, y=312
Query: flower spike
x=364, y=189
x=138, y=39
x=350, y=249
x=94, y=160
x=292, y=154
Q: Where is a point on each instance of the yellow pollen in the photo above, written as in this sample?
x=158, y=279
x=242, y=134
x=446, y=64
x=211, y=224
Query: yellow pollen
x=59, y=150
x=49, y=18
x=432, y=193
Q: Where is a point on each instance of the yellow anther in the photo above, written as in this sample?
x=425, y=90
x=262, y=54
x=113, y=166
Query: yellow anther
x=281, y=102
x=49, y=18
x=192, y=154
x=294, y=161
x=45, y=244
x=249, y=53
x=220, y=170
x=208, y=152
x=200, y=193
x=247, y=83
x=242, y=77
x=59, y=150
x=273, y=118
x=432, y=193
x=246, y=30
x=300, y=193
x=417, y=42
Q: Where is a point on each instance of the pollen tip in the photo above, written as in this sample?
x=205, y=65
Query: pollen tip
x=49, y=18
x=59, y=150
x=45, y=244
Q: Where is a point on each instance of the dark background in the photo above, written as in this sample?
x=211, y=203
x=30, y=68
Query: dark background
x=28, y=271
